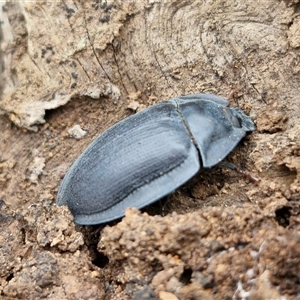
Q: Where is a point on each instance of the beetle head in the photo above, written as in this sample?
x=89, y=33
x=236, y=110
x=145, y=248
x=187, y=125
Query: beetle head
x=215, y=128
x=239, y=119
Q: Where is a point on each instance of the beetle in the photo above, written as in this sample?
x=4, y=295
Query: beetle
x=148, y=155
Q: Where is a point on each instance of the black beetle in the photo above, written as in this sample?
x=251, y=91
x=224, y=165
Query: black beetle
x=148, y=155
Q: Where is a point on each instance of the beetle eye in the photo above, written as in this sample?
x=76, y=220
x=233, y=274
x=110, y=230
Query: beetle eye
x=236, y=121
x=233, y=118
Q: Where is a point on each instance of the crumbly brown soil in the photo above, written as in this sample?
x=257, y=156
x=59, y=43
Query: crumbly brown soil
x=87, y=63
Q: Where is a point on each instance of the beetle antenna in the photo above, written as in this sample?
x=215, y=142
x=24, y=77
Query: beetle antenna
x=233, y=97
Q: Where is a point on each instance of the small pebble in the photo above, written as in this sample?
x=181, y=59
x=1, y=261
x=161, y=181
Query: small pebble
x=77, y=132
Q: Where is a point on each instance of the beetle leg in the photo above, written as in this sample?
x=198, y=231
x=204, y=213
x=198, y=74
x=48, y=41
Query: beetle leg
x=162, y=203
x=246, y=174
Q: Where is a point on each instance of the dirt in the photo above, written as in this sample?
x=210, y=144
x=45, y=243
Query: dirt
x=88, y=65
